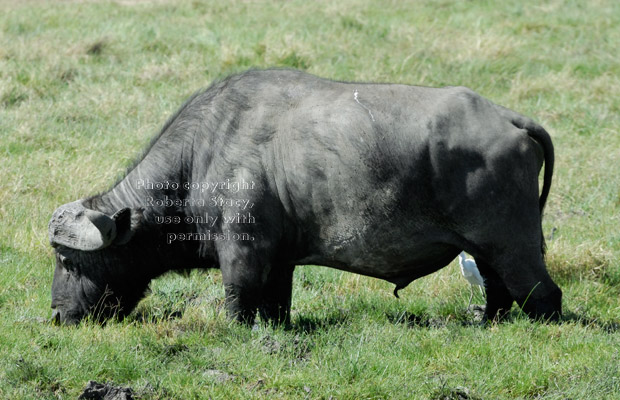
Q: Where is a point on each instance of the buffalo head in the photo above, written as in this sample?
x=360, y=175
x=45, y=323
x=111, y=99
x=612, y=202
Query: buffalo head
x=95, y=264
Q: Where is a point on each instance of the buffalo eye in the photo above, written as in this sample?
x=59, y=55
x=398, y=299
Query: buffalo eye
x=65, y=261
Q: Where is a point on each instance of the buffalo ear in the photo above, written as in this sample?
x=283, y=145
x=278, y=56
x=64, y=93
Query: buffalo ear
x=127, y=222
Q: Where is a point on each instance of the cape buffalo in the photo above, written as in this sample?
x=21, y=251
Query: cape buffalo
x=270, y=169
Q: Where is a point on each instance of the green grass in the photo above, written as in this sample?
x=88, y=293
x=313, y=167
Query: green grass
x=83, y=87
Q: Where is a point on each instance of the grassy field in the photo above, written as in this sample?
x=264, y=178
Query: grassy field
x=85, y=84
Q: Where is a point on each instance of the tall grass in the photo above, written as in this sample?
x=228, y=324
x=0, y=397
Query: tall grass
x=85, y=84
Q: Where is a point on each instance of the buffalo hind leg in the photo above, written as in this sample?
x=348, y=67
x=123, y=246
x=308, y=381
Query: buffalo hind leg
x=523, y=272
x=499, y=300
x=277, y=292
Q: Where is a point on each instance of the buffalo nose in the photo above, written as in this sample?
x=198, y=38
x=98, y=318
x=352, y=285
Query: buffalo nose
x=55, y=317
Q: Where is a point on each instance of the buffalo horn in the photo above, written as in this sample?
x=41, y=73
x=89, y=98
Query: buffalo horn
x=80, y=228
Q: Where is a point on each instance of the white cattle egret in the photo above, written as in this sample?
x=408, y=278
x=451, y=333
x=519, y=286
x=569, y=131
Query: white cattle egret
x=471, y=273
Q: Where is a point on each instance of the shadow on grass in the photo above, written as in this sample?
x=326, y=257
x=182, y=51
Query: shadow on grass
x=471, y=317
x=589, y=322
x=147, y=317
x=311, y=324
x=412, y=320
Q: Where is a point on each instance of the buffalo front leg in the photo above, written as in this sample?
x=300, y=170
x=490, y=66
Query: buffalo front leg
x=246, y=259
x=241, y=303
x=243, y=274
x=277, y=291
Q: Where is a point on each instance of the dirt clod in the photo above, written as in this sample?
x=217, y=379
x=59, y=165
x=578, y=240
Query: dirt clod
x=105, y=391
